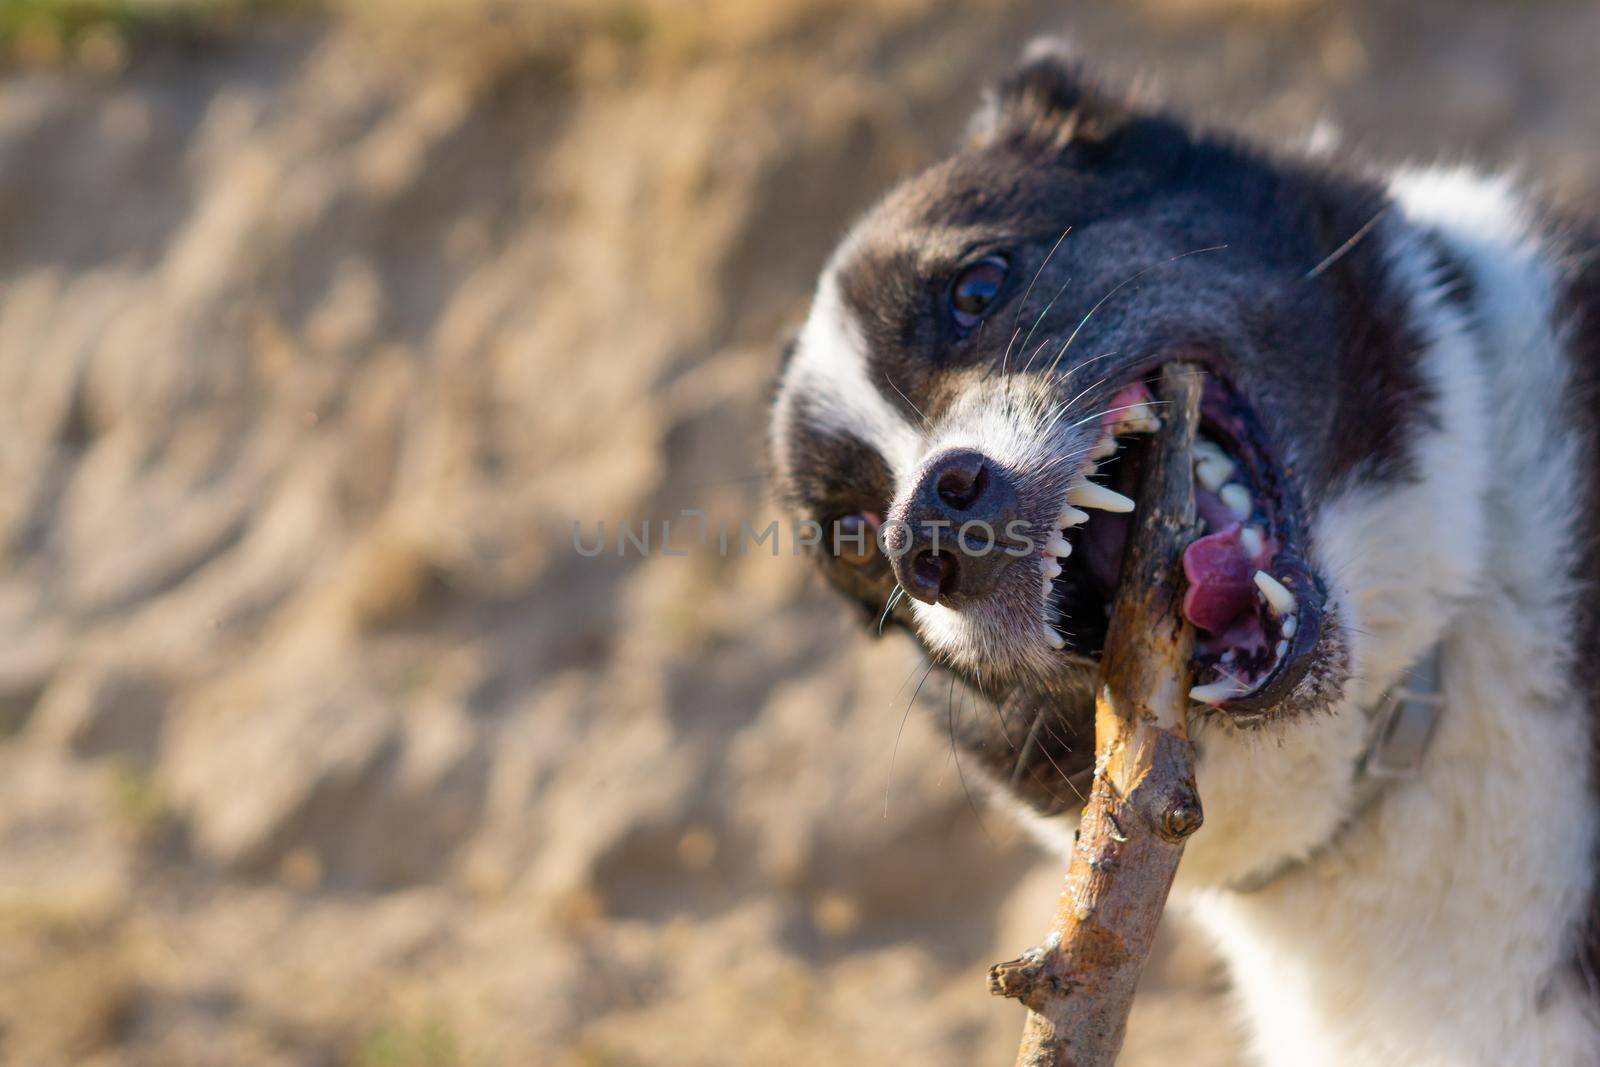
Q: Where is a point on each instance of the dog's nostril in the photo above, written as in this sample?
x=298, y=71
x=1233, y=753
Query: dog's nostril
x=960, y=486
x=934, y=560
x=934, y=572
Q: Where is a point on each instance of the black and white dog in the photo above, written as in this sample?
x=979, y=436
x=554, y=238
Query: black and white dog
x=1397, y=705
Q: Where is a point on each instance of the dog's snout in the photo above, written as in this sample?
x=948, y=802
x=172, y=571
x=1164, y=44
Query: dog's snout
x=954, y=527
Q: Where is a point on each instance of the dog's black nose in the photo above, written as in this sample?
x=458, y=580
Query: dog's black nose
x=950, y=537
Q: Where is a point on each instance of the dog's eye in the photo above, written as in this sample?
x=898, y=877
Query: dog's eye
x=855, y=538
x=975, y=289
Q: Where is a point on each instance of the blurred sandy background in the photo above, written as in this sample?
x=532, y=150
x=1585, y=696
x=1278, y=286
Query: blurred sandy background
x=318, y=328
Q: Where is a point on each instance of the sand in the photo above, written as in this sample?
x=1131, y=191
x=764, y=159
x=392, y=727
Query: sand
x=322, y=743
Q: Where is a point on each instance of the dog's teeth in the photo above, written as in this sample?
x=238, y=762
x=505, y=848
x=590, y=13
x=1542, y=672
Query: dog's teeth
x=1138, y=419
x=1055, y=639
x=1071, y=516
x=1289, y=626
x=1237, y=499
x=1057, y=546
x=1204, y=449
x=1229, y=656
x=1281, y=649
x=1250, y=541
x=1051, y=568
x=1046, y=587
x=1104, y=448
x=1214, y=693
x=1214, y=472
x=1279, y=599
x=1094, y=495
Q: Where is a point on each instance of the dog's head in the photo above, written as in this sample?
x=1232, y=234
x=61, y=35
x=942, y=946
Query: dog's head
x=964, y=410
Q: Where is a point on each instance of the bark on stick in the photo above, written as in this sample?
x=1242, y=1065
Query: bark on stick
x=1078, y=986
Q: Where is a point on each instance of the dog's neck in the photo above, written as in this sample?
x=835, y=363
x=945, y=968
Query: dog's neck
x=1442, y=922
x=1400, y=728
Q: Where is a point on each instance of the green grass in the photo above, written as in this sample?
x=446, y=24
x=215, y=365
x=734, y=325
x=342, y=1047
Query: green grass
x=429, y=1043
x=138, y=801
x=101, y=35
x=50, y=29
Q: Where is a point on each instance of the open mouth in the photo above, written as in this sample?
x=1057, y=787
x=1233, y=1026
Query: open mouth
x=1254, y=604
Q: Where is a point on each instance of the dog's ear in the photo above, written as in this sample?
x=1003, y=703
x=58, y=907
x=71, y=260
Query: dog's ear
x=1048, y=102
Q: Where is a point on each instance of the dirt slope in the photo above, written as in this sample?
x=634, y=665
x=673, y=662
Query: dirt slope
x=322, y=745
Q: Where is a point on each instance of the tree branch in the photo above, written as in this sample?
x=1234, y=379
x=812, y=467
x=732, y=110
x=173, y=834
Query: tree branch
x=1078, y=986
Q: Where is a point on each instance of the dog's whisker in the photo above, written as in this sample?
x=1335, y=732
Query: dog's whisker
x=1113, y=411
x=1050, y=304
x=1065, y=407
x=1023, y=303
x=1339, y=253
x=955, y=755
x=895, y=596
x=888, y=784
x=1117, y=288
x=907, y=399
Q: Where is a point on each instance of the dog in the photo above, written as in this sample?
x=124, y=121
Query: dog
x=1397, y=693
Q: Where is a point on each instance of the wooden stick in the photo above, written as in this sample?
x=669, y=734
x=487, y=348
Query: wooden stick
x=1079, y=984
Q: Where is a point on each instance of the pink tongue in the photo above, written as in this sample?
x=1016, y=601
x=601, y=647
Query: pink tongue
x=1221, y=580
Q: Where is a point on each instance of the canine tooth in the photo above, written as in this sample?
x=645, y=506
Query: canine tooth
x=1250, y=541
x=1094, y=495
x=1055, y=639
x=1289, y=626
x=1051, y=568
x=1071, y=516
x=1214, y=472
x=1104, y=448
x=1057, y=546
x=1280, y=649
x=1279, y=599
x=1214, y=693
x=1237, y=499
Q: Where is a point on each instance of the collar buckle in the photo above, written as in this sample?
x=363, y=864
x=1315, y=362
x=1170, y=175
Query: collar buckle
x=1403, y=724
